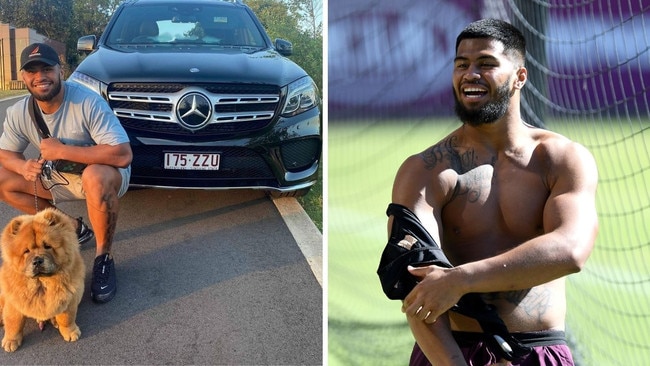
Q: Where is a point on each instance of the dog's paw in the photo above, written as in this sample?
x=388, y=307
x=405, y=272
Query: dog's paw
x=71, y=334
x=10, y=345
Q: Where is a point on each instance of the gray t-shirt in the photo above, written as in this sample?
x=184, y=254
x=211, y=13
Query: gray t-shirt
x=84, y=119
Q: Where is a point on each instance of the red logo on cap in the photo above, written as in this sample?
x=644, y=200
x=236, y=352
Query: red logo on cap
x=35, y=52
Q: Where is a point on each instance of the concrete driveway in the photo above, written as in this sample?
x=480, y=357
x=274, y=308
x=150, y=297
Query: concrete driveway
x=204, y=277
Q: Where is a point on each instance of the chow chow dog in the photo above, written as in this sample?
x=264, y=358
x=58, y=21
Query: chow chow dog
x=42, y=275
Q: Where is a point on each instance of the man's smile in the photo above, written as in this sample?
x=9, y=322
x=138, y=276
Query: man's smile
x=43, y=85
x=473, y=91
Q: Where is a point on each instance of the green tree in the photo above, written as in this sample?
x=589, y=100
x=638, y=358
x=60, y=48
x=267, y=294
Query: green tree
x=283, y=19
x=48, y=17
x=61, y=20
x=310, y=13
x=89, y=17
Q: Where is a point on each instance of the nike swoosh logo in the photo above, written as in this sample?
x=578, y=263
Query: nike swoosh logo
x=103, y=287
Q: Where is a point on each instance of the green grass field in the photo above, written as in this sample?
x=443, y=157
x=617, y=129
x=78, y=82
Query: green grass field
x=608, y=302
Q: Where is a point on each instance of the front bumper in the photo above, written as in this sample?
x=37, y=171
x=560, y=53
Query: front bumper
x=283, y=158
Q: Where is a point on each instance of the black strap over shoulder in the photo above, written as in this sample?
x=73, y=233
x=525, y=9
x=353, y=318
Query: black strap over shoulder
x=411, y=244
x=37, y=118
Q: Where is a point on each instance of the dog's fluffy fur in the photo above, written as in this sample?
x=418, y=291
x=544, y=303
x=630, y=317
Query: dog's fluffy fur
x=42, y=275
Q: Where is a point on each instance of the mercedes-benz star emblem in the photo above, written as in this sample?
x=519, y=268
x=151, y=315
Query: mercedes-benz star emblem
x=194, y=110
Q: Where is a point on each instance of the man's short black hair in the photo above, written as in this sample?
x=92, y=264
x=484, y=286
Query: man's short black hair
x=513, y=41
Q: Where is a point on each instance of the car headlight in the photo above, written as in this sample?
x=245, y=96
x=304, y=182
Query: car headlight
x=90, y=83
x=302, y=95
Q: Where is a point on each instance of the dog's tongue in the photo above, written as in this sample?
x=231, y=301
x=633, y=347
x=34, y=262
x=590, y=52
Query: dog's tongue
x=41, y=325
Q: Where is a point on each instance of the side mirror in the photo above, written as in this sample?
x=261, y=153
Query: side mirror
x=86, y=44
x=284, y=47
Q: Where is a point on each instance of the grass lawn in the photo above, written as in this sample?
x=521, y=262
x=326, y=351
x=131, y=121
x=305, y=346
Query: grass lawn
x=11, y=93
x=608, y=302
x=312, y=202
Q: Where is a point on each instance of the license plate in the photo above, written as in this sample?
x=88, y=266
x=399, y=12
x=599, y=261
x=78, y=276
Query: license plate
x=192, y=161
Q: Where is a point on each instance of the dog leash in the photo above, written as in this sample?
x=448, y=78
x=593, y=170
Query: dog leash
x=35, y=196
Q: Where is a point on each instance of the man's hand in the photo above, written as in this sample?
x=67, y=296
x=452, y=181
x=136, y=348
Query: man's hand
x=436, y=293
x=32, y=168
x=51, y=148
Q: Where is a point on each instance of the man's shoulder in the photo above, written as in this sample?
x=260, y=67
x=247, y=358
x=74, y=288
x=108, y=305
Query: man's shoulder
x=564, y=158
x=77, y=88
x=19, y=105
x=17, y=112
x=433, y=169
x=80, y=92
x=442, y=154
x=556, y=145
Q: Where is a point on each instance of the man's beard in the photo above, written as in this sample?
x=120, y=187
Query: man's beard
x=56, y=88
x=488, y=113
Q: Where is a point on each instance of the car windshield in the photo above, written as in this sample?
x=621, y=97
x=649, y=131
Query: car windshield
x=185, y=24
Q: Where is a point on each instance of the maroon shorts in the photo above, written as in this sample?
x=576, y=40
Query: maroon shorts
x=549, y=349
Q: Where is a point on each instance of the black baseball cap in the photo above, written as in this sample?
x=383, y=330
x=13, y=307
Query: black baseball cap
x=39, y=52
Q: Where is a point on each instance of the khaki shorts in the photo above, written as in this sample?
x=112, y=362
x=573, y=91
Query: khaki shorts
x=67, y=187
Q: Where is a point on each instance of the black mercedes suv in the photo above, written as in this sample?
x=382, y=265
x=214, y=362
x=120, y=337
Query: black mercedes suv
x=208, y=100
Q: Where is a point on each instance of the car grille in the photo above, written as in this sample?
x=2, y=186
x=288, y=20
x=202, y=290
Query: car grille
x=235, y=108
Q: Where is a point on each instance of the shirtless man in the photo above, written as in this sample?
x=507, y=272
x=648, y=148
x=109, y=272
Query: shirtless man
x=512, y=206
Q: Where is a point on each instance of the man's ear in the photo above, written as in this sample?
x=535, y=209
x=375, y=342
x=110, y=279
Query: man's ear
x=522, y=76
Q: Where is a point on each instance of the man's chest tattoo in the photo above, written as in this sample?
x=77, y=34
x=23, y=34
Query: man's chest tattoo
x=474, y=178
x=447, y=151
x=475, y=184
